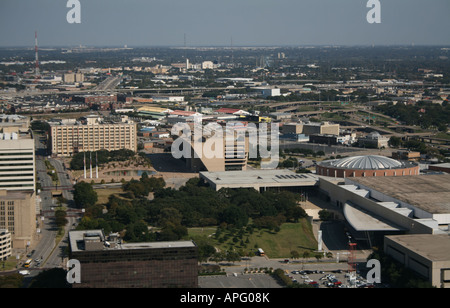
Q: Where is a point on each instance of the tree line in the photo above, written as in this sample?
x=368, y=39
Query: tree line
x=99, y=157
x=423, y=114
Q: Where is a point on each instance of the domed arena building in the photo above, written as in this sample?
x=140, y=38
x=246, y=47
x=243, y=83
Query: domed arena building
x=365, y=166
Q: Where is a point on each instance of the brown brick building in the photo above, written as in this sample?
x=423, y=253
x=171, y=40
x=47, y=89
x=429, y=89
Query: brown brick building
x=106, y=262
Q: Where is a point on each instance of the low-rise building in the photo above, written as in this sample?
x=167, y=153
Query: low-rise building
x=311, y=128
x=107, y=262
x=374, y=140
x=428, y=255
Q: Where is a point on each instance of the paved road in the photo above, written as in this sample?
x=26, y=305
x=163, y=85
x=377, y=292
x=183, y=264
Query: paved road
x=109, y=83
x=46, y=251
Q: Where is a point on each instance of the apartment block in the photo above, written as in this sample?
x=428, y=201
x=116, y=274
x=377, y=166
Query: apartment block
x=92, y=134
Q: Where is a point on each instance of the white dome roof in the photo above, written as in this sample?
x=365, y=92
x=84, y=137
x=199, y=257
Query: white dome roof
x=366, y=162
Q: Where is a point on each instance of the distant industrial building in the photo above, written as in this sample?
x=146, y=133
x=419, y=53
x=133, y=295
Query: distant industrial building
x=374, y=140
x=107, y=262
x=406, y=155
x=73, y=77
x=366, y=166
x=444, y=167
x=156, y=113
x=311, y=128
x=92, y=134
x=267, y=91
x=95, y=99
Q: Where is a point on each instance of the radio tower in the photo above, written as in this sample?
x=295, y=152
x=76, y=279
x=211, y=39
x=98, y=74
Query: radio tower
x=37, y=74
x=351, y=258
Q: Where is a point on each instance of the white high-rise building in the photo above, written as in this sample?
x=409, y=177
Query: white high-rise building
x=17, y=188
x=17, y=163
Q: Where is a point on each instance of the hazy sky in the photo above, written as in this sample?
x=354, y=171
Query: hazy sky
x=217, y=22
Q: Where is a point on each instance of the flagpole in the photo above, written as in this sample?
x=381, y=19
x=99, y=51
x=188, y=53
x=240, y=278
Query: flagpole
x=85, y=165
x=90, y=162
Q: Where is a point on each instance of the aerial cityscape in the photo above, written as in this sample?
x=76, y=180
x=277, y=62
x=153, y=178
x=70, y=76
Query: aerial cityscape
x=199, y=165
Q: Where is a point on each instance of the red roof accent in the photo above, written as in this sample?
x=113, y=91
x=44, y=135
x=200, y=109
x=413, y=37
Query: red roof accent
x=228, y=110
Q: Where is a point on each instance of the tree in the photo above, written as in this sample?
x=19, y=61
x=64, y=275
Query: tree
x=295, y=254
x=235, y=216
x=84, y=195
x=60, y=218
x=325, y=215
x=395, y=141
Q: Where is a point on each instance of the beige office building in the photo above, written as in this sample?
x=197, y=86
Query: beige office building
x=92, y=134
x=232, y=153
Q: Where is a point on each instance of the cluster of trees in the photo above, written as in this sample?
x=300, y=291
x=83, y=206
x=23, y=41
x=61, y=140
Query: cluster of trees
x=40, y=126
x=419, y=146
x=142, y=187
x=99, y=157
x=422, y=114
x=171, y=211
x=306, y=152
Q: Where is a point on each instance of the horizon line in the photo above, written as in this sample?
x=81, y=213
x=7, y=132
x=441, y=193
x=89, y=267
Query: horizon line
x=127, y=46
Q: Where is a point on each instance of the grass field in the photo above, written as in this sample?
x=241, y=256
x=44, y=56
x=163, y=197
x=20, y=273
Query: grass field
x=292, y=236
x=103, y=194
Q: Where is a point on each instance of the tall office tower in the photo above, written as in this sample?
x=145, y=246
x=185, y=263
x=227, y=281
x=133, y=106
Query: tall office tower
x=17, y=187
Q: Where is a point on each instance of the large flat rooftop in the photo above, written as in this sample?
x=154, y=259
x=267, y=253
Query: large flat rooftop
x=77, y=242
x=259, y=179
x=433, y=247
x=428, y=192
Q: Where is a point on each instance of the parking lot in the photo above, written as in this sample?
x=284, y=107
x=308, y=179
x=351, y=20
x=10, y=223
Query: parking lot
x=244, y=281
x=333, y=279
x=320, y=275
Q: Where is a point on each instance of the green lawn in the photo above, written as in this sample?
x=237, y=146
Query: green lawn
x=292, y=236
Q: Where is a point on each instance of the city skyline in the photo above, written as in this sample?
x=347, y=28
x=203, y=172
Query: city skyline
x=194, y=23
